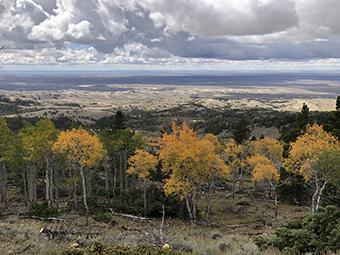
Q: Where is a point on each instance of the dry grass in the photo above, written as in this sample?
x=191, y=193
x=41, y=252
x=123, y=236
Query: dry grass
x=234, y=223
x=19, y=236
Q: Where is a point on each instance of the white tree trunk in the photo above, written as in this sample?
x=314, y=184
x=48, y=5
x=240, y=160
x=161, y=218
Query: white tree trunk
x=83, y=181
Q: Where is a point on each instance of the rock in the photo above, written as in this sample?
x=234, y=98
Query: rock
x=75, y=245
x=166, y=247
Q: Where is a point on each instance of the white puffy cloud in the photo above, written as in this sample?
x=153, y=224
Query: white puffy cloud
x=224, y=17
x=167, y=32
x=87, y=20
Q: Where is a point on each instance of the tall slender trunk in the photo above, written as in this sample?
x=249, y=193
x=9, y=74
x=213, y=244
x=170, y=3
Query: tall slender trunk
x=121, y=184
x=209, y=201
x=234, y=186
x=114, y=189
x=24, y=183
x=194, y=209
x=55, y=188
x=125, y=160
x=107, y=177
x=318, y=198
x=32, y=186
x=316, y=194
x=48, y=184
x=276, y=203
x=3, y=183
x=83, y=181
x=88, y=178
x=75, y=202
x=75, y=190
x=240, y=186
x=187, y=203
x=144, y=198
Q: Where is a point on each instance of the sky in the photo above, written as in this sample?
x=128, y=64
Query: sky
x=171, y=33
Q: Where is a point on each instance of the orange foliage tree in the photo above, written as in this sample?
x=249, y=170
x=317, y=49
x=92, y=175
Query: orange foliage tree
x=142, y=163
x=82, y=150
x=234, y=155
x=266, y=161
x=190, y=162
x=304, y=154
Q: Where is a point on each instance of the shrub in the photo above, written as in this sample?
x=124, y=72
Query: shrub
x=42, y=210
x=104, y=217
x=319, y=232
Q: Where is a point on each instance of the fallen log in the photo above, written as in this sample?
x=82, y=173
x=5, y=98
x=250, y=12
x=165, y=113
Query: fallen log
x=42, y=218
x=129, y=216
x=59, y=232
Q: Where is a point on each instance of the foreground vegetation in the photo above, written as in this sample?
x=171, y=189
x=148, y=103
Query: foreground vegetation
x=204, y=180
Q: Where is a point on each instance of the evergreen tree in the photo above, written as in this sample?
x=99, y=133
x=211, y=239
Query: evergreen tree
x=337, y=113
x=241, y=131
x=303, y=117
x=120, y=122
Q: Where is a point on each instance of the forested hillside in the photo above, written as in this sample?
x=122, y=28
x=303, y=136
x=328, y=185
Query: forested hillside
x=184, y=169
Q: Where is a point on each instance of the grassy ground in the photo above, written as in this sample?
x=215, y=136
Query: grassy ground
x=230, y=230
x=19, y=236
x=233, y=223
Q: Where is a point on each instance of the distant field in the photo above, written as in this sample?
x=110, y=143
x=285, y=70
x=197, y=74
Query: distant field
x=316, y=84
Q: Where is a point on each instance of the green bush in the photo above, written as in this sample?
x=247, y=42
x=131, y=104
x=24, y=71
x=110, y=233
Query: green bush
x=42, y=210
x=319, y=232
x=104, y=217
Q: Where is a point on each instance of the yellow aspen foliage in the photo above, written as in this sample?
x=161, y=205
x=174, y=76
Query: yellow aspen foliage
x=188, y=159
x=176, y=186
x=264, y=170
x=82, y=150
x=219, y=148
x=234, y=154
x=79, y=147
x=142, y=163
x=269, y=147
x=307, y=149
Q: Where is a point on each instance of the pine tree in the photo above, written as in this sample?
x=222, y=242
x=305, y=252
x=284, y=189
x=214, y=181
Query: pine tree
x=303, y=117
x=120, y=122
x=241, y=131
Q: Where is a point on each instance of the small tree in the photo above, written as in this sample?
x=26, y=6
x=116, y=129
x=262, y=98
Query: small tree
x=303, y=117
x=265, y=171
x=266, y=162
x=220, y=172
x=234, y=155
x=304, y=156
x=82, y=150
x=142, y=163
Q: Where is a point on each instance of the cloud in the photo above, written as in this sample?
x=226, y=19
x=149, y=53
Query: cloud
x=167, y=32
x=223, y=17
x=80, y=20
